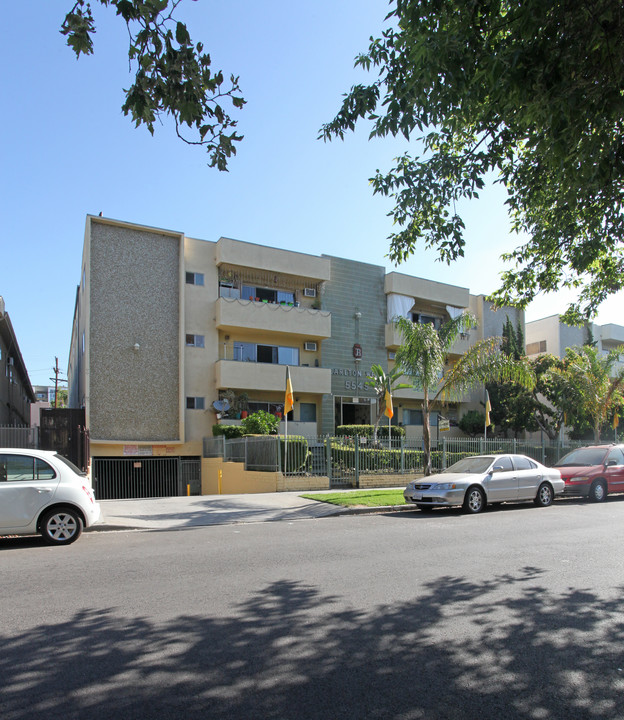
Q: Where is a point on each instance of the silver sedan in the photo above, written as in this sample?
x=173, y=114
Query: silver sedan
x=475, y=481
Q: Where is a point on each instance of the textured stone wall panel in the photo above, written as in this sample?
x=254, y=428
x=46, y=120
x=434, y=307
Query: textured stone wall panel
x=134, y=394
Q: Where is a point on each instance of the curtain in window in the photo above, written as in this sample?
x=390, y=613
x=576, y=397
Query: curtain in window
x=399, y=306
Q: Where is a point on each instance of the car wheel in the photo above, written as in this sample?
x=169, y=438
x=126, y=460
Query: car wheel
x=598, y=491
x=61, y=526
x=474, y=501
x=545, y=495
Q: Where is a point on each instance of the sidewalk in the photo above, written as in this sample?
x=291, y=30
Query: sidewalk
x=201, y=510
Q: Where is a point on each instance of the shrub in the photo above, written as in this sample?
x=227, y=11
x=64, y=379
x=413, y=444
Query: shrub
x=260, y=423
x=472, y=423
x=368, y=431
x=230, y=431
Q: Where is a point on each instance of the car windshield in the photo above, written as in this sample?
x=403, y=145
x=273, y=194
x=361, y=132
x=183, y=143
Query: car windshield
x=469, y=465
x=70, y=464
x=583, y=456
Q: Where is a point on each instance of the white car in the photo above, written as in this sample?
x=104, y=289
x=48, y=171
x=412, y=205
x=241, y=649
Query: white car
x=475, y=481
x=42, y=492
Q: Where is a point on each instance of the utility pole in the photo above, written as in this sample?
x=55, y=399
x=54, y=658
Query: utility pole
x=56, y=370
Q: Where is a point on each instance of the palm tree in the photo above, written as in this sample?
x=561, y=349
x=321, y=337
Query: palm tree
x=422, y=357
x=382, y=382
x=593, y=383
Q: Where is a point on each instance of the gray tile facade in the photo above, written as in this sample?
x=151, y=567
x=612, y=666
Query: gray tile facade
x=354, y=288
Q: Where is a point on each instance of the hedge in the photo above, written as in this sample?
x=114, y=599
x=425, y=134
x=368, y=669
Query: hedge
x=369, y=431
x=230, y=431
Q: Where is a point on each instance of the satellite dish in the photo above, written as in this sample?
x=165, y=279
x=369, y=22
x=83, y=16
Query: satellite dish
x=221, y=405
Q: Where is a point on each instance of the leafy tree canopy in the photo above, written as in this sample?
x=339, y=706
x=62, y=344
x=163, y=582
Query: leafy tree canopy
x=592, y=384
x=530, y=90
x=172, y=74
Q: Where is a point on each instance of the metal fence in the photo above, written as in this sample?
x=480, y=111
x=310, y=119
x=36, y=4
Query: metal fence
x=345, y=459
x=19, y=437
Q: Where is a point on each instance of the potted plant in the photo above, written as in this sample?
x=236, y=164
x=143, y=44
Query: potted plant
x=241, y=404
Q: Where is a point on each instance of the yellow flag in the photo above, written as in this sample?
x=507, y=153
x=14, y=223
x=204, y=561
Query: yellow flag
x=488, y=409
x=389, y=411
x=616, y=420
x=289, y=401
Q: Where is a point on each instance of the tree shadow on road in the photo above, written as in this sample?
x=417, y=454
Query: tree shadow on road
x=502, y=648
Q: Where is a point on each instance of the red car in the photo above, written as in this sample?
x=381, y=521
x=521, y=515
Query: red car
x=593, y=472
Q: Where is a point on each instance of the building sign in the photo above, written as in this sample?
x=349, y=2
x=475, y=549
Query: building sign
x=355, y=379
x=148, y=450
x=357, y=351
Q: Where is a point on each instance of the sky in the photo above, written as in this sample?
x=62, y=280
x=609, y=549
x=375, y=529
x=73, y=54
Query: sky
x=67, y=151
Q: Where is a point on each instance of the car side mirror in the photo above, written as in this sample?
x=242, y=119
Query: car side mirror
x=610, y=463
x=498, y=468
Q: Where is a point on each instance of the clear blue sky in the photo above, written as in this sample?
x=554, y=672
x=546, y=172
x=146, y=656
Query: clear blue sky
x=67, y=150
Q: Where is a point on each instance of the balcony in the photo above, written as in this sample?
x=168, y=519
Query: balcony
x=271, y=377
x=432, y=292
x=459, y=347
x=234, y=314
x=612, y=336
x=272, y=260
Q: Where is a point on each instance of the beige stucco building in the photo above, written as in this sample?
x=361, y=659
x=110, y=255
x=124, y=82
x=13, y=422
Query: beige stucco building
x=166, y=325
x=550, y=335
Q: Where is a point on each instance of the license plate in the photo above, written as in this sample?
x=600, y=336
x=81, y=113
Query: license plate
x=417, y=496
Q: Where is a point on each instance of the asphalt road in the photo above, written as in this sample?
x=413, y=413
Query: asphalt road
x=515, y=613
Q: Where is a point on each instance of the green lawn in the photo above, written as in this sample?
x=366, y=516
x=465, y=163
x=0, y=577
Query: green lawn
x=366, y=498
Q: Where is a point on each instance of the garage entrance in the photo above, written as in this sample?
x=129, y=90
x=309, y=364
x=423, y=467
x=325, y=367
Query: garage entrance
x=145, y=477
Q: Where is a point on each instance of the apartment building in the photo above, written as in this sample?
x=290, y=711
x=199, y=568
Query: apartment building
x=167, y=326
x=550, y=335
x=16, y=392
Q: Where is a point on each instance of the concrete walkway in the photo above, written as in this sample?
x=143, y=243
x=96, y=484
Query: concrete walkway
x=194, y=511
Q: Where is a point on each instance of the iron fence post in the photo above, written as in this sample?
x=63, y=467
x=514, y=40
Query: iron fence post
x=357, y=461
x=328, y=458
x=402, y=439
x=444, y=453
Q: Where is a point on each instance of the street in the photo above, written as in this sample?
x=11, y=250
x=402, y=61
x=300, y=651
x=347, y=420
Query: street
x=514, y=613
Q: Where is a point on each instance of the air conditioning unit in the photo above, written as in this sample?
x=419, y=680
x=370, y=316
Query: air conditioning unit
x=309, y=292
x=309, y=346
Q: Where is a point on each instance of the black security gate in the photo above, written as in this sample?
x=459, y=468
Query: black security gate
x=137, y=477
x=191, y=475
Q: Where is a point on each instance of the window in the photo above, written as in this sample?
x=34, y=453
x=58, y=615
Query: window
x=523, y=463
x=83, y=342
x=536, y=347
x=415, y=417
x=20, y=468
x=251, y=292
x=273, y=354
x=307, y=412
x=195, y=341
x=422, y=319
x=270, y=407
x=412, y=417
x=195, y=403
x=193, y=278
x=502, y=464
x=615, y=457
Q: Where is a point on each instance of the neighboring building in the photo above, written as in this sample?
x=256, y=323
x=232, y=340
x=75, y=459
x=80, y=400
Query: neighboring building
x=550, y=335
x=165, y=325
x=16, y=393
x=44, y=393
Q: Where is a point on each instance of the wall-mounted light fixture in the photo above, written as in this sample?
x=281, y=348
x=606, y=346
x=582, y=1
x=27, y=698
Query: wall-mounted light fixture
x=136, y=347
